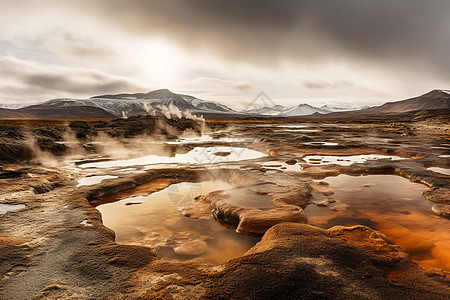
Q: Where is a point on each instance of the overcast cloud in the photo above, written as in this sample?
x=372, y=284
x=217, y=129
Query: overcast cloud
x=348, y=51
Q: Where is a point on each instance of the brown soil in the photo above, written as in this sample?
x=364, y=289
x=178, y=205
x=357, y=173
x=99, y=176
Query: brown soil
x=58, y=248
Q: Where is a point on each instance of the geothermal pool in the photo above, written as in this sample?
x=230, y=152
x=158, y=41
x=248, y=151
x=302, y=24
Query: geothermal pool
x=394, y=206
x=199, y=155
x=208, y=139
x=282, y=166
x=141, y=217
x=440, y=170
x=345, y=160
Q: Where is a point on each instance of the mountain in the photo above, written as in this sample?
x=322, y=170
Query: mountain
x=67, y=112
x=113, y=106
x=140, y=103
x=15, y=105
x=268, y=111
x=338, y=109
x=436, y=99
x=299, y=110
x=166, y=102
x=13, y=114
x=303, y=110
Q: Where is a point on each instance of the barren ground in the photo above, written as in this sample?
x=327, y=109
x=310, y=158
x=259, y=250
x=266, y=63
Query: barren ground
x=58, y=248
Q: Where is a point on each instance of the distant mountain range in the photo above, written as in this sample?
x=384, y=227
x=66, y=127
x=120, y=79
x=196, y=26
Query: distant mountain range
x=166, y=102
x=299, y=110
x=436, y=99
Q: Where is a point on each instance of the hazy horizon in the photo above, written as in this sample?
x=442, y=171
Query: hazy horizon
x=347, y=53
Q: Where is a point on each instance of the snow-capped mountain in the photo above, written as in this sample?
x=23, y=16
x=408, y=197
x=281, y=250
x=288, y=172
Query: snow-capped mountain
x=15, y=105
x=337, y=109
x=299, y=110
x=165, y=102
x=159, y=101
x=267, y=111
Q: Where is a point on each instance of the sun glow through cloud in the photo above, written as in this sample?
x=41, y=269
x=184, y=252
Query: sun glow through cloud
x=159, y=62
x=293, y=54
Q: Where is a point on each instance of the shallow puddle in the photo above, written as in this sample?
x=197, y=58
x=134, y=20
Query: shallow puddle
x=440, y=170
x=345, y=160
x=322, y=144
x=250, y=199
x=208, y=139
x=274, y=165
x=92, y=180
x=294, y=125
x=154, y=220
x=394, y=206
x=283, y=125
x=199, y=155
x=5, y=208
x=296, y=130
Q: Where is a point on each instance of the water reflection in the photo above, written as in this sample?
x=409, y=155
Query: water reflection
x=440, y=170
x=154, y=220
x=392, y=205
x=4, y=208
x=345, y=160
x=92, y=180
x=199, y=155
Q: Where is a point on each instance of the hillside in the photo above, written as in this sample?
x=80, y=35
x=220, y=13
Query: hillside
x=436, y=99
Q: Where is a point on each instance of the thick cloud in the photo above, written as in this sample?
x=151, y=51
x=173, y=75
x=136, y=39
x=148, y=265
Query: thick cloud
x=291, y=49
x=408, y=32
x=227, y=84
x=38, y=81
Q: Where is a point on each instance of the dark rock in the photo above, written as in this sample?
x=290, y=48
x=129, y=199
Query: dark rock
x=132, y=203
x=224, y=153
x=80, y=125
x=291, y=162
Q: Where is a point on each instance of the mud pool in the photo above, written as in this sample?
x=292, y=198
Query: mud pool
x=394, y=206
x=140, y=217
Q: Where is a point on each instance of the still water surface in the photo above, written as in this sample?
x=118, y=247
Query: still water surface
x=394, y=206
x=140, y=218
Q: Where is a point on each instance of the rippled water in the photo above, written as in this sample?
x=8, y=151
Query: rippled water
x=140, y=218
x=393, y=205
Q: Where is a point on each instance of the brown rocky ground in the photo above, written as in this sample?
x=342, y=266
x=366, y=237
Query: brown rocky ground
x=58, y=248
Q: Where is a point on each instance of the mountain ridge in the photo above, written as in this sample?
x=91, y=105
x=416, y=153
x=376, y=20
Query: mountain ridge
x=302, y=109
x=163, y=101
x=433, y=100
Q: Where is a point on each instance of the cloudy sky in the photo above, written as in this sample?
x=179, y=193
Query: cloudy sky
x=347, y=52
